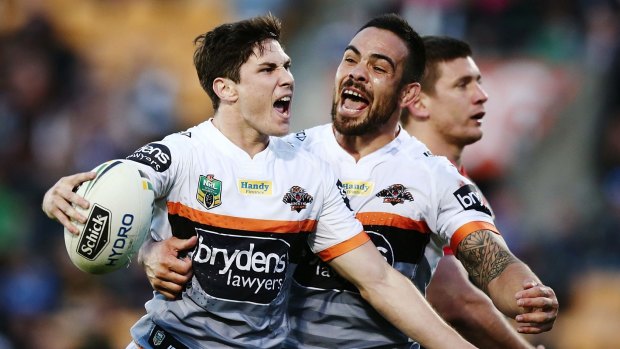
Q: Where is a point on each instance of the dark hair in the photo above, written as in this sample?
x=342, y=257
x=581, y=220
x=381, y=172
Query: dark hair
x=222, y=51
x=414, y=67
x=440, y=49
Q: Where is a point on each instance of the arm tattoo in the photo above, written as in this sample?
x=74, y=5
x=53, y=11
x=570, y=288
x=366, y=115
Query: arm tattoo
x=484, y=257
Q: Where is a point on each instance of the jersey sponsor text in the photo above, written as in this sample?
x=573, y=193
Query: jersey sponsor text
x=254, y=187
x=241, y=268
x=358, y=188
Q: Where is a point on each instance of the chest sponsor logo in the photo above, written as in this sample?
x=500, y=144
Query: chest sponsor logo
x=298, y=198
x=209, y=192
x=155, y=155
x=317, y=274
x=358, y=188
x=471, y=199
x=395, y=194
x=240, y=268
x=254, y=187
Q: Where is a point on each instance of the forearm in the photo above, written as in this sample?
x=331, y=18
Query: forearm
x=503, y=288
x=407, y=309
x=512, y=286
x=145, y=250
x=469, y=310
x=486, y=327
x=396, y=298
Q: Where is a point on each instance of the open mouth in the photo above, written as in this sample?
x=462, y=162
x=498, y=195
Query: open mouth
x=478, y=116
x=353, y=100
x=283, y=105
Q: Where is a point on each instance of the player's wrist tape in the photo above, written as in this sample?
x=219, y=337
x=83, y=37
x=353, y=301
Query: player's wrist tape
x=159, y=338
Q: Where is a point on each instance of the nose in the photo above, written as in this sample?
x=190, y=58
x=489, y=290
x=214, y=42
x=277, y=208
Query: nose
x=481, y=95
x=358, y=73
x=287, y=78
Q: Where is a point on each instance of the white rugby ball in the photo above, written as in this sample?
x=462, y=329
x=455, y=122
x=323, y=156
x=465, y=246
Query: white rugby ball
x=118, y=219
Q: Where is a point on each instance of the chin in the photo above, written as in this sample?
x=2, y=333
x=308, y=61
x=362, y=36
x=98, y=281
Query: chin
x=471, y=138
x=282, y=131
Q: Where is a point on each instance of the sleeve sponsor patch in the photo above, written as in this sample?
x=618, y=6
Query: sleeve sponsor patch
x=155, y=155
x=471, y=199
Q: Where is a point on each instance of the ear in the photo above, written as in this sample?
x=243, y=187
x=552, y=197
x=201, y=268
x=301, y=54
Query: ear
x=409, y=94
x=418, y=109
x=225, y=89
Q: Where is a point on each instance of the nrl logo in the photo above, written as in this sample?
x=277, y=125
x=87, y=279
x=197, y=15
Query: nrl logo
x=159, y=338
x=395, y=194
x=297, y=198
x=209, y=193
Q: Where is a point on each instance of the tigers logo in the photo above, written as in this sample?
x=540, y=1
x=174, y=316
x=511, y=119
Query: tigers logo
x=395, y=194
x=209, y=193
x=297, y=198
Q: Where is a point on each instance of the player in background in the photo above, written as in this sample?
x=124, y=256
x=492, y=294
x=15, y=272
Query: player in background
x=253, y=202
x=363, y=144
x=447, y=117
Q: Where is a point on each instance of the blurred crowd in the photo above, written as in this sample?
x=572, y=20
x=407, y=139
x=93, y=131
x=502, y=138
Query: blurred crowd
x=84, y=81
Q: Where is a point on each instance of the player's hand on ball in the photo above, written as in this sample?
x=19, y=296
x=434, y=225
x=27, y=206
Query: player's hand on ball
x=541, y=308
x=167, y=273
x=59, y=200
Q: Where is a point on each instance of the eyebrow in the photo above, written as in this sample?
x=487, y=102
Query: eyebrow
x=274, y=65
x=469, y=78
x=374, y=55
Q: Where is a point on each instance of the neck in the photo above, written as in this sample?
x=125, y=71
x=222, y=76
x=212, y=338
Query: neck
x=439, y=146
x=240, y=133
x=360, y=146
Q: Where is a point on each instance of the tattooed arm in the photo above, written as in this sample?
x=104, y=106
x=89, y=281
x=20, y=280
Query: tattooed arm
x=514, y=288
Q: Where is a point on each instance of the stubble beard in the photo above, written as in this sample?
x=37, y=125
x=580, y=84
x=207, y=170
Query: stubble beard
x=374, y=120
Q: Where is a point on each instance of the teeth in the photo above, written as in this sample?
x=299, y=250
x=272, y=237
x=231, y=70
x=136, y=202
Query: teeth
x=352, y=93
x=285, y=99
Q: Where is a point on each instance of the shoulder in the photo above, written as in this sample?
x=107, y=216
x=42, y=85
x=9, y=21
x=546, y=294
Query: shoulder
x=417, y=154
x=159, y=155
x=309, y=137
x=187, y=138
x=284, y=149
x=413, y=148
x=301, y=158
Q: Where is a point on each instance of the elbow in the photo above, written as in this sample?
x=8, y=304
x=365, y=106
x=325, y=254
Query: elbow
x=373, y=287
x=471, y=314
x=458, y=307
x=377, y=283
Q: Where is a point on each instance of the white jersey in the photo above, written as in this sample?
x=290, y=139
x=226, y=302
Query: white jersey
x=404, y=196
x=253, y=217
x=434, y=252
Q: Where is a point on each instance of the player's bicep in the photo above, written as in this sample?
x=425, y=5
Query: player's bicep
x=485, y=256
x=361, y=266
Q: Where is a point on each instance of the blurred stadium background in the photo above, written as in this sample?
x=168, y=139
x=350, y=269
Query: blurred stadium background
x=84, y=81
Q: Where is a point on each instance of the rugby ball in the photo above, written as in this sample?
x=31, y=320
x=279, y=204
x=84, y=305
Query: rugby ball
x=118, y=219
